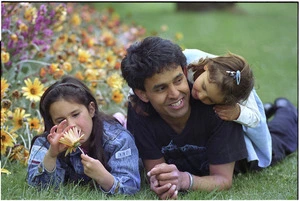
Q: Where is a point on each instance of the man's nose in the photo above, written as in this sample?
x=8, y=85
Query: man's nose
x=173, y=92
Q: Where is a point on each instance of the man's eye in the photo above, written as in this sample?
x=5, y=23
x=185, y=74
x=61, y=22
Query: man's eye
x=160, y=89
x=178, y=81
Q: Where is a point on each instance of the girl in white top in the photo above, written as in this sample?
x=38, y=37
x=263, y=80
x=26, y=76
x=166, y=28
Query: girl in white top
x=227, y=82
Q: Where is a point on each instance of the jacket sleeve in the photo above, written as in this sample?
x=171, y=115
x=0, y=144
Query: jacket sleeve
x=37, y=174
x=123, y=161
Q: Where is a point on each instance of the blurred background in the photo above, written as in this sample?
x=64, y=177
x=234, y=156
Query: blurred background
x=42, y=41
x=265, y=34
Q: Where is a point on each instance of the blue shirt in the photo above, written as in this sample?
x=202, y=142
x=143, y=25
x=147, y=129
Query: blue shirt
x=120, y=152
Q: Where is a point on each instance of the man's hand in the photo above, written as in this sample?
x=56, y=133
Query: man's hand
x=166, y=180
x=167, y=191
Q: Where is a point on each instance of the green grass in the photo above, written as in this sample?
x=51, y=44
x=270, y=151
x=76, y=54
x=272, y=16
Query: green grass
x=274, y=183
x=265, y=34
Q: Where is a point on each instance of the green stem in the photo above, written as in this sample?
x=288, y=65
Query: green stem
x=32, y=61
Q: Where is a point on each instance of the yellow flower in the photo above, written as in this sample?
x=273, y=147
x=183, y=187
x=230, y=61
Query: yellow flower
x=91, y=74
x=5, y=57
x=4, y=87
x=34, y=123
x=33, y=91
x=53, y=68
x=178, y=36
x=83, y=55
x=5, y=171
x=19, y=153
x=18, y=118
x=14, y=37
x=7, y=140
x=76, y=20
x=117, y=96
x=67, y=66
x=79, y=75
x=111, y=58
x=30, y=14
x=71, y=139
x=115, y=81
x=23, y=27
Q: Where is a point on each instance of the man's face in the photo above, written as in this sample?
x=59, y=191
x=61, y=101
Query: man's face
x=169, y=94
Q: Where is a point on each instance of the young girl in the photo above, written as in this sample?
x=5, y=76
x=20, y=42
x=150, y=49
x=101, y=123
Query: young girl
x=227, y=82
x=110, y=156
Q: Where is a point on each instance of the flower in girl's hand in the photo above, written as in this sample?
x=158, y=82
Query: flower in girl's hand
x=71, y=139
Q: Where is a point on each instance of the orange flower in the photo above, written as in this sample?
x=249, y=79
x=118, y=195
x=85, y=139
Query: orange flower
x=117, y=96
x=71, y=139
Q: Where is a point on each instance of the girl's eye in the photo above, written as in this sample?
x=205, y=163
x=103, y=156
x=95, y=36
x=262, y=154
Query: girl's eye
x=75, y=115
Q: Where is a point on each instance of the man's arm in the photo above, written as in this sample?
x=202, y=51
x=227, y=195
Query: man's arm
x=220, y=178
x=163, y=177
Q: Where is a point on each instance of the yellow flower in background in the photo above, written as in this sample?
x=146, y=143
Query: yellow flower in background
x=61, y=13
x=53, y=68
x=18, y=118
x=71, y=139
x=19, y=153
x=83, y=55
x=111, y=58
x=30, y=14
x=14, y=37
x=115, y=81
x=7, y=140
x=23, y=27
x=117, y=96
x=5, y=56
x=34, y=123
x=100, y=64
x=178, y=36
x=4, y=87
x=76, y=20
x=33, y=91
x=79, y=75
x=67, y=66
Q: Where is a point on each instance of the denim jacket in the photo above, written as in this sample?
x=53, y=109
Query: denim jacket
x=120, y=152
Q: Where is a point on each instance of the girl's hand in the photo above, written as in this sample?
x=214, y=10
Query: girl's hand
x=228, y=112
x=55, y=134
x=92, y=167
x=95, y=170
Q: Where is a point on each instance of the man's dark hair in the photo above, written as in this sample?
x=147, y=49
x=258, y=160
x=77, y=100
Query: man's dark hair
x=148, y=57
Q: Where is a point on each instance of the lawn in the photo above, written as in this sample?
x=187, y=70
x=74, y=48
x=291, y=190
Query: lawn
x=265, y=34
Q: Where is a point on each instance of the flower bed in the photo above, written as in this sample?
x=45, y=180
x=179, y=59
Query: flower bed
x=41, y=42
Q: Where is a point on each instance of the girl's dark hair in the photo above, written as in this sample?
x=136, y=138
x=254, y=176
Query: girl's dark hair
x=218, y=68
x=73, y=90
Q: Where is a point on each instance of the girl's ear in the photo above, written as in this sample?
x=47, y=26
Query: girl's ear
x=142, y=95
x=205, y=67
x=92, y=109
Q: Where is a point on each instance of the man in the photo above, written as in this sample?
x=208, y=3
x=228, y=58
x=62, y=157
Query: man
x=184, y=145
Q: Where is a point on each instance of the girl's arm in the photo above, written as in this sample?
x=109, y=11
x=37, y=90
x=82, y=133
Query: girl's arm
x=38, y=174
x=249, y=113
x=123, y=161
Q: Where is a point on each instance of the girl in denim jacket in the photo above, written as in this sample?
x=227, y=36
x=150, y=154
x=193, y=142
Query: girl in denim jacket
x=110, y=156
